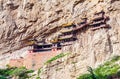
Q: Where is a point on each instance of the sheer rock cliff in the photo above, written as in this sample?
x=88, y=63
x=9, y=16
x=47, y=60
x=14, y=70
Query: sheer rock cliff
x=21, y=20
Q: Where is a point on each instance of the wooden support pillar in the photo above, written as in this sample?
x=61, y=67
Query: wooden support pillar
x=54, y=49
x=30, y=51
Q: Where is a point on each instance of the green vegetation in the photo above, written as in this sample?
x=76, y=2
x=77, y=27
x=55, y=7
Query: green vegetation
x=104, y=71
x=21, y=73
x=2, y=77
x=57, y=57
x=38, y=73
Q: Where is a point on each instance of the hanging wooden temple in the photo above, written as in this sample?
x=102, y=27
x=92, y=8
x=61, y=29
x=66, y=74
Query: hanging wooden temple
x=41, y=50
x=98, y=18
x=68, y=25
x=66, y=30
x=99, y=21
x=67, y=34
x=102, y=26
x=80, y=27
x=66, y=43
x=67, y=38
x=56, y=45
x=45, y=47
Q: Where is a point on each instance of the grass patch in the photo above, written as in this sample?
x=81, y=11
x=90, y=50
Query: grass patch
x=56, y=57
x=38, y=73
x=104, y=71
x=21, y=72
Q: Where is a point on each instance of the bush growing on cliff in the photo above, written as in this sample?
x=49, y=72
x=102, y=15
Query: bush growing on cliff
x=38, y=73
x=2, y=77
x=56, y=57
x=21, y=72
x=108, y=69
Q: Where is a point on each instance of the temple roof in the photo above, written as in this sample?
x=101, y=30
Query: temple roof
x=66, y=30
x=67, y=25
x=66, y=37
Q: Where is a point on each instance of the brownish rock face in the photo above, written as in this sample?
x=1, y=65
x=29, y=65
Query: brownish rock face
x=21, y=20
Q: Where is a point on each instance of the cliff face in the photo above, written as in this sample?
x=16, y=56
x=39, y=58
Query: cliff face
x=21, y=20
x=25, y=19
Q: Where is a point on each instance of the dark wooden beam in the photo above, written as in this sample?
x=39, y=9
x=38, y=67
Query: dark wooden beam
x=102, y=26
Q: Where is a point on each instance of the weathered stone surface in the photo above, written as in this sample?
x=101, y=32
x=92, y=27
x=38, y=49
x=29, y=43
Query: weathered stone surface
x=25, y=19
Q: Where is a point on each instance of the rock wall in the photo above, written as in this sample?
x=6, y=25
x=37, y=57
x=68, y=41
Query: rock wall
x=5, y=58
x=25, y=19
x=92, y=47
x=21, y=20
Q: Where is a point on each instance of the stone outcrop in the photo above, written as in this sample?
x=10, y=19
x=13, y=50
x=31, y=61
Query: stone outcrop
x=21, y=20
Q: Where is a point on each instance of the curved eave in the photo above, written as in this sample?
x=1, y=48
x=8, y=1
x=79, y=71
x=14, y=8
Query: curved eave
x=67, y=25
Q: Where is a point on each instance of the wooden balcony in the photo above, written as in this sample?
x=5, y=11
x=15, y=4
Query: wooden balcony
x=69, y=40
x=98, y=27
x=57, y=45
x=98, y=18
x=66, y=43
x=66, y=30
x=98, y=23
x=70, y=27
x=80, y=27
x=42, y=46
x=40, y=50
x=65, y=37
x=99, y=15
x=46, y=47
x=68, y=33
x=67, y=25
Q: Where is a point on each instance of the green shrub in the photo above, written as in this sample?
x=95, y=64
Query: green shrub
x=104, y=71
x=38, y=73
x=85, y=76
x=57, y=57
x=21, y=72
x=2, y=77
